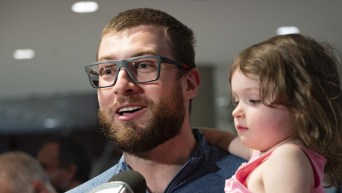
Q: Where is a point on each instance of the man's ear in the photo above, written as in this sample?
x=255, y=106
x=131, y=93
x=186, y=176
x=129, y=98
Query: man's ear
x=72, y=169
x=39, y=186
x=193, y=83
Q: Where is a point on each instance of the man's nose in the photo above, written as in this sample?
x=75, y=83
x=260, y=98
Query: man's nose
x=124, y=83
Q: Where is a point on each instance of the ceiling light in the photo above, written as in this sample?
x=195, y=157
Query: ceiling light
x=23, y=54
x=84, y=7
x=288, y=30
x=50, y=123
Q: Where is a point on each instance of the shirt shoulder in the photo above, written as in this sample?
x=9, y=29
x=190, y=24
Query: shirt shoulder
x=102, y=178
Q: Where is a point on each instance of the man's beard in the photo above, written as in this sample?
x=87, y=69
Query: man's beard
x=166, y=122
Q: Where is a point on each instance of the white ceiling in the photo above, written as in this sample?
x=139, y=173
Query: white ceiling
x=65, y=41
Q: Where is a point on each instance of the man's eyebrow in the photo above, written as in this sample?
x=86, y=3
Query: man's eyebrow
x=105, y=58
x=141, y=53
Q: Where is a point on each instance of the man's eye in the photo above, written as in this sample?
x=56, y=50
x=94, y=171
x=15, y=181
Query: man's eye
x=144, y=65
x=107, y=71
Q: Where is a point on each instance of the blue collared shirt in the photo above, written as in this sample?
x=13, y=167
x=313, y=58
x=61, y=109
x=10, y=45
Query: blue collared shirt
x=205, y=171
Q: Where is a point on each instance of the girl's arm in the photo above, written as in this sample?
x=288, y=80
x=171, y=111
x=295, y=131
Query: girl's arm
x=226, y=141
x=288, y=169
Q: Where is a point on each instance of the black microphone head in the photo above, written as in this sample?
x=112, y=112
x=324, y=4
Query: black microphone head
x=134, y=179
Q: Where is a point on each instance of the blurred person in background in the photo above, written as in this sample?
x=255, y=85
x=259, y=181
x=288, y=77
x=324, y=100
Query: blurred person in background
x=22, y=173
x=66, y=162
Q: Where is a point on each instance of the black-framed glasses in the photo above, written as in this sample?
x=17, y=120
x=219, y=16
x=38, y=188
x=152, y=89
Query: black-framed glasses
x=140, y=69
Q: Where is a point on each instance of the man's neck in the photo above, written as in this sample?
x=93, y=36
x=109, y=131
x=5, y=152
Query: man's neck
x=161, y=164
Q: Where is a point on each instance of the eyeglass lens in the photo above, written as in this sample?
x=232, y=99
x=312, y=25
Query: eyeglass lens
x=140, y=70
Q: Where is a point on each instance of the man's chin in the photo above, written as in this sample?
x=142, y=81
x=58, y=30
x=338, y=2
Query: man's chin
x=136, y=150
x=141, y=143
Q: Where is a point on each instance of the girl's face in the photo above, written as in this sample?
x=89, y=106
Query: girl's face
x=259, y=127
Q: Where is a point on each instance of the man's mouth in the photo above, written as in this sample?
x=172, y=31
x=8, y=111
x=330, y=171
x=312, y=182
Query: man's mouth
x=130, y=109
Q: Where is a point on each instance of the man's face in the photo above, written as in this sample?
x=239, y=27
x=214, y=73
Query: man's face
x=5, y=184
x=138, y=117
x=49, y=160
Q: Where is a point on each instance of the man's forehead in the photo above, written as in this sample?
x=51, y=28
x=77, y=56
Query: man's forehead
x=132, y=42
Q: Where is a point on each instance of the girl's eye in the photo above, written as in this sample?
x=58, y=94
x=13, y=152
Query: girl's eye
x=235, y=103
x=254, y=101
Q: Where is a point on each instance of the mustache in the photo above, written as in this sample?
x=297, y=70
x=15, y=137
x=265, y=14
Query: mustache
x=130, y=99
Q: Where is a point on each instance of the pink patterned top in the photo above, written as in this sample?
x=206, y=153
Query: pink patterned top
x=237, y=183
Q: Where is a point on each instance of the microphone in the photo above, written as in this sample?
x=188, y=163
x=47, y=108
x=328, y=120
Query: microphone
x=124, y=182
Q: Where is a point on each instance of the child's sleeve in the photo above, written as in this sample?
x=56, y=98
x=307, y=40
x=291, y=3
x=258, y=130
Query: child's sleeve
x=226, y=141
